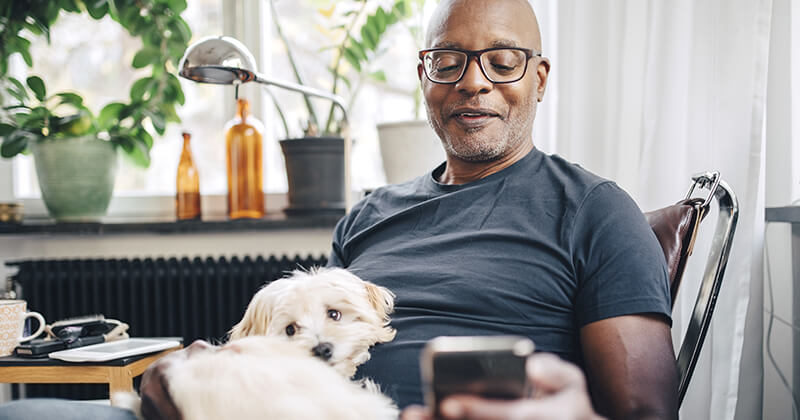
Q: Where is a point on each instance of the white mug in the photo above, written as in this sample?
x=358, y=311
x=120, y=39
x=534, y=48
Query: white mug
x=12, y=320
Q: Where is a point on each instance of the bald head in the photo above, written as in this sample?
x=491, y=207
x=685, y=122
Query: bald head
x=448, y=13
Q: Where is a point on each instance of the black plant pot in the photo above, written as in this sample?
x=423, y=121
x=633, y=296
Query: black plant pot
x=315, y=173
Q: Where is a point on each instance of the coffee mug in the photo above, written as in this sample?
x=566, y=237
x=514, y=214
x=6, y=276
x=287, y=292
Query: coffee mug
x=12, y=320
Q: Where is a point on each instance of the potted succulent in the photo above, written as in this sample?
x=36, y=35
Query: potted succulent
x=75, y=150
x=315, y=161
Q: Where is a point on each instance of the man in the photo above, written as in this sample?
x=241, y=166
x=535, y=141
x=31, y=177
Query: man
x=503, y=239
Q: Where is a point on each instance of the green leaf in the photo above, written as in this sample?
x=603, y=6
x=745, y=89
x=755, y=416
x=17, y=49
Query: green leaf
x=146, y=56
x=16, y=143
x=379, y=76
x=140, y=87
x=17, y=95
x=96, y=8
x=179, y=26
x=401, y=9
x=147, y=138
x=358, y=50
x=37, y=86
x=69, y=6
x=19, y=89
x=136, y=148
x=109, y=115
x=381, y=20
x=174, y=91
x=26, y=56
x=177, y=6
x=369, y=36
x=158, y=121
x=351, y=58
x=6, y=129
x=70, y=98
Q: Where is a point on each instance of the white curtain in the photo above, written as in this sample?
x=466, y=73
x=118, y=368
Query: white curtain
x=647, y=93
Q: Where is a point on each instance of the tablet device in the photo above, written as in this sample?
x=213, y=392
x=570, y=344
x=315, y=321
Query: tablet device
x=114, y=350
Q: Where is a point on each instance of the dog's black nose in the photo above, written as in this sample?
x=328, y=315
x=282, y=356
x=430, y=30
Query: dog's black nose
x=323, y=350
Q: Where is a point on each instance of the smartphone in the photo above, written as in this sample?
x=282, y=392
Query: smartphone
x=490, y=366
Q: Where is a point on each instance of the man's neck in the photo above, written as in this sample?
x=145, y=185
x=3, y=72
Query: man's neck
x=459, y=171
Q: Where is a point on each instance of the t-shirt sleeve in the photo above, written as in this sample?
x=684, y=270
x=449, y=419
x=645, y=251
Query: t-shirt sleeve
x=619, y=263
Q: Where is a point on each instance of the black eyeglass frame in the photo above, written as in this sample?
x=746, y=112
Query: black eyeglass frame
x=529, y=53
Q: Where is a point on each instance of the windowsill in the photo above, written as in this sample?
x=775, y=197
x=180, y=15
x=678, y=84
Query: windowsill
x=110, y=225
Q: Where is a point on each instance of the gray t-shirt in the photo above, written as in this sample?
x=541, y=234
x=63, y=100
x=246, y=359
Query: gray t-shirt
x=539, y=249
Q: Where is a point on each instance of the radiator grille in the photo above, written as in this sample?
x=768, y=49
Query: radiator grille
x=189, y=298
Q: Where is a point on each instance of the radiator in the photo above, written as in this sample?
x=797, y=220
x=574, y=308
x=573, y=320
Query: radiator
x=190, y=298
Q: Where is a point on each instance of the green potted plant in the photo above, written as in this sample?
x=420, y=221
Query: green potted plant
x=75, y=150
x=314, y=162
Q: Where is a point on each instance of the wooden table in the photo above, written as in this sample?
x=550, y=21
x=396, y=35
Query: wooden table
x=118, y=374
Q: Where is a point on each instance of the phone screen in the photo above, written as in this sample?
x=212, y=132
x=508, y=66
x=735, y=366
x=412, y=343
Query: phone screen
x=492, y=367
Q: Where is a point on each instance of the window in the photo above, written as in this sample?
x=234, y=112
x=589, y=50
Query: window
x=97, y=56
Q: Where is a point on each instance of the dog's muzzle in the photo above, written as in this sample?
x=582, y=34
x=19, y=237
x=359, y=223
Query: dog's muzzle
x=323, y=350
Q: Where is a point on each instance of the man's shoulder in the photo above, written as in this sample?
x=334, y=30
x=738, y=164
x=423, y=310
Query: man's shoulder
x=571, y=173
x=552, y=176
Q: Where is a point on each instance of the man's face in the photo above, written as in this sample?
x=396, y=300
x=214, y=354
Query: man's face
x=476, y=119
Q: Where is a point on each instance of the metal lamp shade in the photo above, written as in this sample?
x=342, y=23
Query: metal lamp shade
x=220, y=60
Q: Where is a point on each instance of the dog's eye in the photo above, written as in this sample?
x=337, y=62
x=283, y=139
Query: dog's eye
x=334, y=314
x=290, y=330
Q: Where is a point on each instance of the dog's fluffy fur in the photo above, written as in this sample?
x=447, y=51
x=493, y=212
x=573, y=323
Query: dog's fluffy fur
x=304, y=300
x=264, y=372
x=269, y=378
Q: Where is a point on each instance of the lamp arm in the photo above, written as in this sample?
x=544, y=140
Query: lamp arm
x=336, y=99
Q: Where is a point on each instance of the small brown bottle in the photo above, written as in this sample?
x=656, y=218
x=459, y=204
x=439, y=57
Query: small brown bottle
x=187, y=196
x=243, y=141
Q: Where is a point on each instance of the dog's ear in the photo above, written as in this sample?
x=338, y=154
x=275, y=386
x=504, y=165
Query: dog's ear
x=381, y=299
x=255, y=320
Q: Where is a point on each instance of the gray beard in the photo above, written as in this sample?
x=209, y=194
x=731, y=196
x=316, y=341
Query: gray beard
x=482, y=148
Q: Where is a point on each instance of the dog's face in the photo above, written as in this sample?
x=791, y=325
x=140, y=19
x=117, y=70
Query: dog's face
x=332, y=313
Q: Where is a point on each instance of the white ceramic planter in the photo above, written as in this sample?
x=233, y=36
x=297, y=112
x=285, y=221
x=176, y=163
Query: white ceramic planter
x=409, y=149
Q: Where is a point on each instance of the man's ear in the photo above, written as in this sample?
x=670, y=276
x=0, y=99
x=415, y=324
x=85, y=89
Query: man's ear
x=542, y=72
x=419, y=71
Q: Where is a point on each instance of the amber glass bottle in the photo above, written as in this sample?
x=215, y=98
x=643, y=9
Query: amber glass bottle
x=243, y=140
x=187, y=196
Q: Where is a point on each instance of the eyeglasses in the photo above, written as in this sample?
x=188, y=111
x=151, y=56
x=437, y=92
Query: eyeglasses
x=499, y=64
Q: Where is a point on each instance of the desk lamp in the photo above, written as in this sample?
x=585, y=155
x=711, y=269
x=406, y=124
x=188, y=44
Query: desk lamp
x=224, y=60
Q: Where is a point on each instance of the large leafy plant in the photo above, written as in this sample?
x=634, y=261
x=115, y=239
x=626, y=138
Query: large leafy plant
x=357, y=30
x=31, y=114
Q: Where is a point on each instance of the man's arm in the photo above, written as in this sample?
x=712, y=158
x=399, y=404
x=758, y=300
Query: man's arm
x=630, y=367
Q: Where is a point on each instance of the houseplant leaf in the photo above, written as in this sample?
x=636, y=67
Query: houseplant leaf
x=6, y=129
x=16, y=143
x=145, y=57
x=70, y=98
x=37, y=86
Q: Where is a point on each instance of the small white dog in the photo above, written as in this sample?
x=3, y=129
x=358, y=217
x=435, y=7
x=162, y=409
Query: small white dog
x=269, y=378
x=331, y=312
x=316, y=327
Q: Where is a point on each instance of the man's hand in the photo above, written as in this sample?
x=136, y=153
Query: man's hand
x=560, y=394
x=156, y=401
